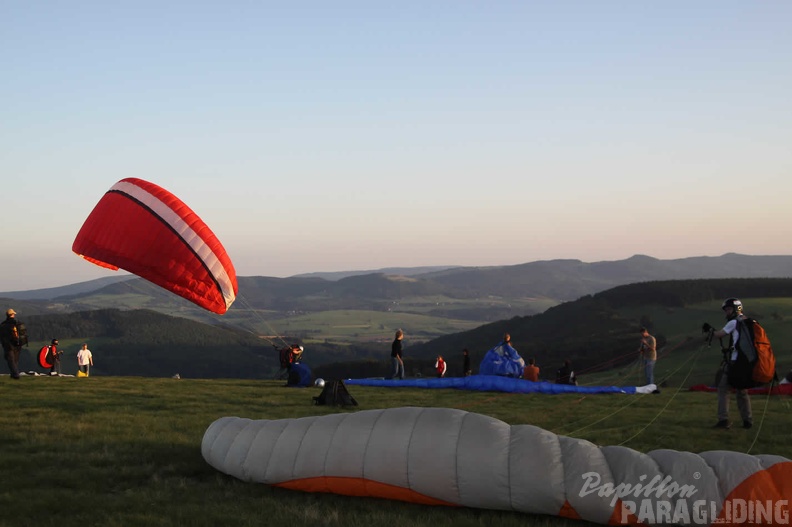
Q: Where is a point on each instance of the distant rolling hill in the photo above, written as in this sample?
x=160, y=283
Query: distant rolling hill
x=377, y=303
x=403, y=271
x=560, y=280
x=80, y=288
x=565, y=280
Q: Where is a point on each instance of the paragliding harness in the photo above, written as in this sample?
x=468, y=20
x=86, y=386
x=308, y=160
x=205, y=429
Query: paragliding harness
x=47, y=358
x=335, y=393
x=749, y=362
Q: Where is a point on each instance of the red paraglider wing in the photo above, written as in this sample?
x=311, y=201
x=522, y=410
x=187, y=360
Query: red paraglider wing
x=144, y=229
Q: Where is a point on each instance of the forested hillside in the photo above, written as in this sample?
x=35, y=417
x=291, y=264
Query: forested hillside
x=147, y=343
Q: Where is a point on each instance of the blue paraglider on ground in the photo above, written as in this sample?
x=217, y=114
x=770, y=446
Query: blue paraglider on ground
x=502, y=360
x=498, y=383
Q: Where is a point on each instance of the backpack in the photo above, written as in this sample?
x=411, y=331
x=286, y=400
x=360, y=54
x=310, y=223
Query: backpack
x=23, y=335
x=335, y=394
x=18, y=333
x=755, y=362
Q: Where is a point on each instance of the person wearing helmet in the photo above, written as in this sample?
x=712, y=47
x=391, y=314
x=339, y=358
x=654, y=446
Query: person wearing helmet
x=53, y=356
x=733, y=310
x=297, y=352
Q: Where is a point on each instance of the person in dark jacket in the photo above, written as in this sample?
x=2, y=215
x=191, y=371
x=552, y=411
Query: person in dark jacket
x=565, y=375
x=397, y=348
x=12, y=336
x=466, y=371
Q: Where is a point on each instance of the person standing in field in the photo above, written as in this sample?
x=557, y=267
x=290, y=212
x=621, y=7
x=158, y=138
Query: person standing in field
x=647, y=349
x=466, y=371
x=440, y=366
x=397, y=363
x=733, y=310
x=84, y=359
x=13, y=336
x=54, y=354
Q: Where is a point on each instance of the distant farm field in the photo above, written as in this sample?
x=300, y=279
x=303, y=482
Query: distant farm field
x=425, y=318
x=366, y=326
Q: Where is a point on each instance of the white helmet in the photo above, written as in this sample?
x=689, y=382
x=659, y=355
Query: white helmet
x=733, y=303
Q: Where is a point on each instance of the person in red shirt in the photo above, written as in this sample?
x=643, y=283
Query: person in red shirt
x=440, y=366
x=53, y=357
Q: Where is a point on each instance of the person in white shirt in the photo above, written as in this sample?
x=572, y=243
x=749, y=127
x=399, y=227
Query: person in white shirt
x=733, y=309
x=84, y=358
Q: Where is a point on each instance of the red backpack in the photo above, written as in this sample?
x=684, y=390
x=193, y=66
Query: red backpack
x=755, y=363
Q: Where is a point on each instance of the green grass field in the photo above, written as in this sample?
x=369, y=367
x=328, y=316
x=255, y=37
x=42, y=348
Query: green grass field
x=125, y=451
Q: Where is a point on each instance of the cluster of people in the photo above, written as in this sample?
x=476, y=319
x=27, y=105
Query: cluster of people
x=531, y=372
x=441, y=365
x=647, y=351
x=13, y=336
x=733, y=311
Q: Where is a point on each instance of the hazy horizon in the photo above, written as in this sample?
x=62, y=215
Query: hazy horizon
x=104, y=273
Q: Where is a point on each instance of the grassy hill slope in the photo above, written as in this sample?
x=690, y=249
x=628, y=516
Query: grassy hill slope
x=127, y=451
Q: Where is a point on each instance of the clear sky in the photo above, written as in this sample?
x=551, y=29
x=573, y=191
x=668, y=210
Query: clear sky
x=329, y=136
